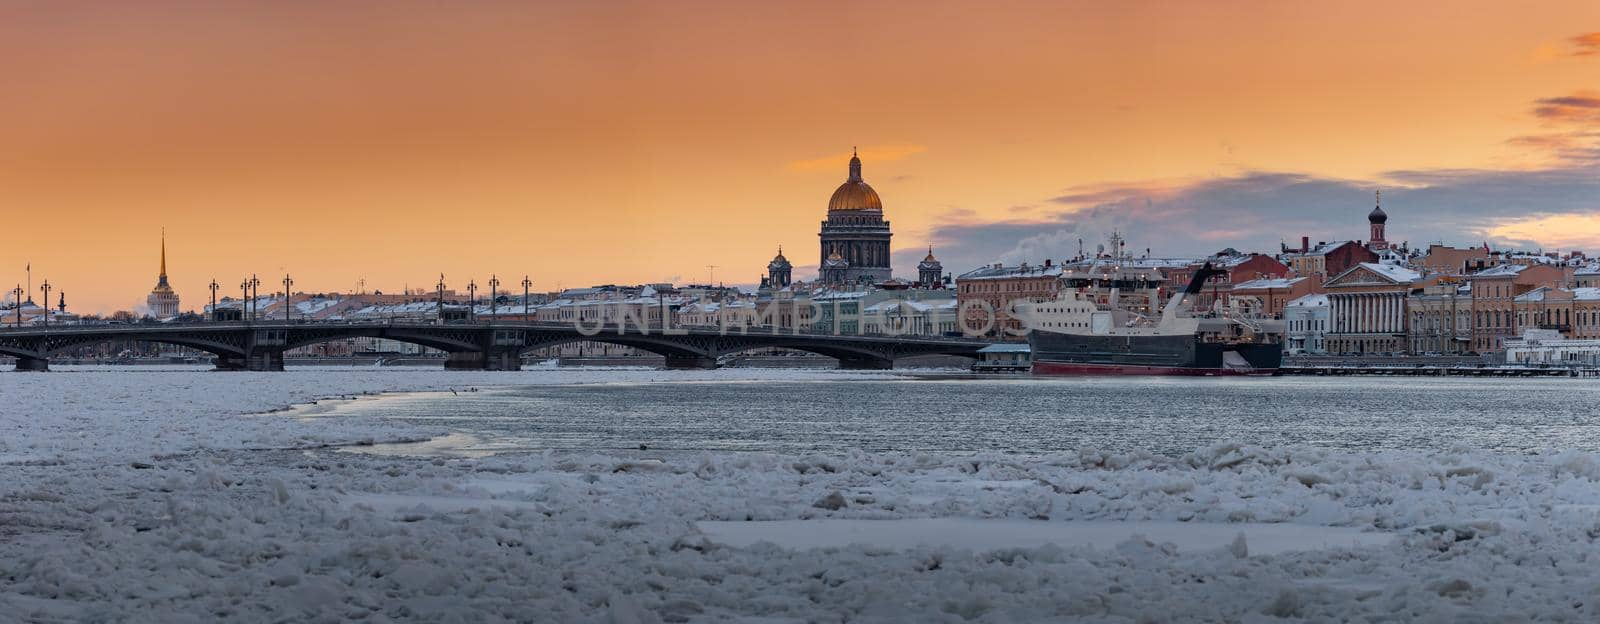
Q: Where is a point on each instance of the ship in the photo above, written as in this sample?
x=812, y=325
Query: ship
x=1074, y=334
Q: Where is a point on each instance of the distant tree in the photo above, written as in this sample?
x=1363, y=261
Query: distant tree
x=124, y=316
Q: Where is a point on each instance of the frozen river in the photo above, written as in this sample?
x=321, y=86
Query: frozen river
x=792, y=496
x=1023, y=415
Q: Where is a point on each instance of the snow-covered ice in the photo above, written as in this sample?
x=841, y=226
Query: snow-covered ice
x=147, y=496
x=996, y=534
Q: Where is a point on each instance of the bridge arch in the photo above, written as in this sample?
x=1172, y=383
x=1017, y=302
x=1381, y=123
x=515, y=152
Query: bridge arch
x=56, y=347
x=657, y=346
x=442, y=339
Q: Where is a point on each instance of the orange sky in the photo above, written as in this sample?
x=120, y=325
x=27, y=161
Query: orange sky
x=626, y=142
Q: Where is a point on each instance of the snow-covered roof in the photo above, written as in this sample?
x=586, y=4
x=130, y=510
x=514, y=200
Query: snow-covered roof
x=1310, y=301
x=1393, y=272
x=1008, y=272
x=1007, y=347
x=1586, y=294
x=1280, y=282
x=1535, y=295
x=1504, y=270
x=1593, y=269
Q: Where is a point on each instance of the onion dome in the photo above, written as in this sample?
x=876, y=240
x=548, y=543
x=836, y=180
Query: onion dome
x=1377, y=216
x=854, y=194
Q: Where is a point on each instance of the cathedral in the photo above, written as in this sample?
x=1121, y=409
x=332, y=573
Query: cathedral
x=855, y=238
x=163, y=302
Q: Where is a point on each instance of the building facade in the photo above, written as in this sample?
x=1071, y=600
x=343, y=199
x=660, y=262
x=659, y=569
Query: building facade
x=1305, y=323
x=1494, y=294
x=1367, y=309
x=1441, y=318
x=984, y=296
x=855, y=237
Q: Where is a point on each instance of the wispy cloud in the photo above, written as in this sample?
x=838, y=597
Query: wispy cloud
x=870, y=153
x=1258, y=210
x=1580, y=107
x=1586, y=44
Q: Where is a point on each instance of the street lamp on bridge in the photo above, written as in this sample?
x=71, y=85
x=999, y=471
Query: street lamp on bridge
x=287, y=298
x=526, y=284
x=494, y=293
x=472, y=300
x=46, y=288
x=255, y=293
x=214, y=287
x=17, y=294
x=441, y=298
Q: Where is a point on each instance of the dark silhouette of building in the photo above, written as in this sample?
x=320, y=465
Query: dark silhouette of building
x=930, y=272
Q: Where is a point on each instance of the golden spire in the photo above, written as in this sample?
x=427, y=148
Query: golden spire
x=163, y=254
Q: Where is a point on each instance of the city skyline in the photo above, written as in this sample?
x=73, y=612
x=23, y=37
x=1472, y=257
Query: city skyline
x=646, y=145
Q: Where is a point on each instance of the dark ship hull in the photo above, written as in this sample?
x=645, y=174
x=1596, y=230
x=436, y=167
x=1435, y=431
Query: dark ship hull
x=1070, y=354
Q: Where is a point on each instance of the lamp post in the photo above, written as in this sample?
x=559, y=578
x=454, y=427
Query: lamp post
x=214, y=287
x=46, y=288
x=255, y=293
x=244, y=300
x=441, y=298
x=526, y=284
x=287, y=299
x=17, y=294
x=472, y=300
x=494, y=293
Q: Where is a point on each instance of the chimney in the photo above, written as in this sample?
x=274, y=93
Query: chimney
x=1305, y=244
x=1046, y=263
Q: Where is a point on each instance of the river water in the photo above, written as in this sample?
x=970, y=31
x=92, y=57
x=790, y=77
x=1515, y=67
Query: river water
x=1012, y=414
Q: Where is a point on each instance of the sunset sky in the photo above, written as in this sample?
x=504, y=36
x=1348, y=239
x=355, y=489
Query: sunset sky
x=618, y=142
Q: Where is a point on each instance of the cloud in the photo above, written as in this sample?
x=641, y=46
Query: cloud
x=1582, y=107
x=1255, y=211
x=871, y=153
x=1586, y=44
x=1556, y=205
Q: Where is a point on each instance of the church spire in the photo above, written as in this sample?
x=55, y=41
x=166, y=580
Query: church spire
x=163, y=254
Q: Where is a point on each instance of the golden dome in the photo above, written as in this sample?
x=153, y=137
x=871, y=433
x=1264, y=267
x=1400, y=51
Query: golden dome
x=854, y=194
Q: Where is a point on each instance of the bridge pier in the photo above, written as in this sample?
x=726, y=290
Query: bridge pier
x=865, y=363
x=260, y=360
x=691, y=362
x=31, y=364
x=499, y=360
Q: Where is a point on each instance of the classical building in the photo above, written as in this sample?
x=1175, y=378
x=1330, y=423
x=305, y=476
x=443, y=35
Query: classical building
x=1305, y=322
x=930, y=272
x=1367, y=309
x=163, y=302
x=855, y=238
x=1494, y=293
x=1441, y=317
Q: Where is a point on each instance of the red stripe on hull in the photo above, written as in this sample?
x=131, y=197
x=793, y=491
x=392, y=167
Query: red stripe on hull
x=1075, y=368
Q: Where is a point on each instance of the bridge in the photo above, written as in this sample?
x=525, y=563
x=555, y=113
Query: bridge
x=259, y=346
